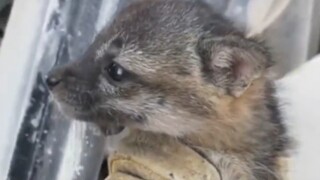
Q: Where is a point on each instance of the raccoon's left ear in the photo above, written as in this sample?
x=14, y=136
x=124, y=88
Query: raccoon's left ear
x=233, y=63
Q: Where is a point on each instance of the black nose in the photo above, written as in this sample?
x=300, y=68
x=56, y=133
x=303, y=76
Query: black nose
x=52, y=81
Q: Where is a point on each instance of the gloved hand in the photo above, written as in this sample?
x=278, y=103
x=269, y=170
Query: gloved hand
x=149, y=159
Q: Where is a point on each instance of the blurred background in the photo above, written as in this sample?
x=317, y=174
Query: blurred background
x=36, y=141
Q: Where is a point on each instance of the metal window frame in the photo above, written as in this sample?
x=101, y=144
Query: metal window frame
x=40, y=34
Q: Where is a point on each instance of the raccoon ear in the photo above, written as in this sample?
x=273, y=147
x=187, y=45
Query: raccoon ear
x=232, y=64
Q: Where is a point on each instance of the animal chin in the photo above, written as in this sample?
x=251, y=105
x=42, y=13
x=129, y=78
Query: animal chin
x=72, y=110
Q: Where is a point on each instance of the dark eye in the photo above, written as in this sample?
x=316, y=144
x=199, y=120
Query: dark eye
x=115, y=72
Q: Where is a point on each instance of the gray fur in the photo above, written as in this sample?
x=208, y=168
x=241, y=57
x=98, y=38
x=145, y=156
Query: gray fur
x=191, y=75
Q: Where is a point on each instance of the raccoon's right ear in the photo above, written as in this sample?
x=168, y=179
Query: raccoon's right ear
x=232, y=63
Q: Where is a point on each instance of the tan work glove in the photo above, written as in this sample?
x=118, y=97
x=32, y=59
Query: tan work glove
x=149, y=159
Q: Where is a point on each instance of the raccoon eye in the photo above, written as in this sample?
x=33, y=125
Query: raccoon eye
x=116, y=72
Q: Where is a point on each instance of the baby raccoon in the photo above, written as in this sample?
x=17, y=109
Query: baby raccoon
x=179, y=69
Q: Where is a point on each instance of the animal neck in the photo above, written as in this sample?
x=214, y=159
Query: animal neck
x=249, y=123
